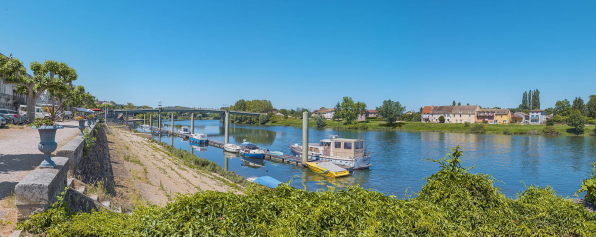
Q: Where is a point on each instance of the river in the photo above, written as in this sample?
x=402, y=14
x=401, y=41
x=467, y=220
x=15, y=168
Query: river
x=398, y=157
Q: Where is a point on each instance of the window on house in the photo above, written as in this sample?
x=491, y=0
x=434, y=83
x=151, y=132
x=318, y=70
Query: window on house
x=348, y=145
x=337, y=144
x=358, y=145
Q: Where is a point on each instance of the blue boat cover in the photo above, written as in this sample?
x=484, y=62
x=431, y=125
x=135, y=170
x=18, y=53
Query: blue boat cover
x=268, y=181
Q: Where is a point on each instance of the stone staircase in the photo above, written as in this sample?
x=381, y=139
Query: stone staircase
x=79, y=201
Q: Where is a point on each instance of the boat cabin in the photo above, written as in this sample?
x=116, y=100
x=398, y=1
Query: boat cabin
x=340, y=147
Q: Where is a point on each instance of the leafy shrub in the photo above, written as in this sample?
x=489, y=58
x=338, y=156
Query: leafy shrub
x=591, y=121
x=550, y=130
x=441, y=119
x=577, y=121
x=466, y=124
x=453, y=200
x=263, y=119
x=478, y=128
x=320, y=121
x=484, y=121
x=558, y=119
x=362, y=126
x=506, y=132
x=589, y=186
x=550, y=122
x=533, y=132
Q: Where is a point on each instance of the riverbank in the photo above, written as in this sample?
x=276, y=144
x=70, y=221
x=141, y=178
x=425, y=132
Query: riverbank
x=510, y=129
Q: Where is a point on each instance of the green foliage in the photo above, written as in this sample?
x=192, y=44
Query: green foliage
x=41, y=122
x=441, y=119
x=478, y=128
x=348, y=111
x=550, y=130
x=562, y=107
x=467, y=124
x=591, y=107
x=390, y=111
x=557, y=119
x=484, y=121
x=452, y=202
x=578, y=104
x=263, y=119
x=550, y=122
x=589, y=186
x=506, y=132
x=320, y=121
x=577, y=121
x=131, y=106
x=89, y=140
x=533, y=132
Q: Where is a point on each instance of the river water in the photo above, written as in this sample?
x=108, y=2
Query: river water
x=398, y=157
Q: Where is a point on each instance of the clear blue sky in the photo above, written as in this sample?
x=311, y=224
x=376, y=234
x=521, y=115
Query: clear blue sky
x=312, y=53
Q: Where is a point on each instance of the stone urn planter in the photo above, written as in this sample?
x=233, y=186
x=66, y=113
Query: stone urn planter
x=82, y=126
x=47, y=144
x=89, y=122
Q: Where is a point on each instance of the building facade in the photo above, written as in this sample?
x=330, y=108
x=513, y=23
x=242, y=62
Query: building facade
x=452, y=114
x=464, y=113
x=525, y=118
x=502, y=116
x=425, y=115
x=537, y=116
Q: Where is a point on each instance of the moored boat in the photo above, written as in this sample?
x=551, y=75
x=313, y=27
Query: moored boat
x=251, y=150
x=266, y=181
x=231, y=147
x=184, y=130
x=327, y=169
x=340, y=151
x=199, y=138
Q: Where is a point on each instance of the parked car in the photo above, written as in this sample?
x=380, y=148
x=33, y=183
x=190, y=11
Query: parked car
x=40, y=113
x=14, y=115
x=3, y=120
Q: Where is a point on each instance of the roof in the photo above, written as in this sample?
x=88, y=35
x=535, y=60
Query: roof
x=537, y=110
x=517, y=116
x=371, y=111
x=521, y=113
x=347, y=140
x=427, y=109
x=465, y=109
x=96, y=109
x=442, y=109
x=487, y=110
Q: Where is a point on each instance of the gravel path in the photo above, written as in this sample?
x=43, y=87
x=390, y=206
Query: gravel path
x=19, y=154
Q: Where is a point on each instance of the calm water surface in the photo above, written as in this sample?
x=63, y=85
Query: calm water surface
x=398, y=157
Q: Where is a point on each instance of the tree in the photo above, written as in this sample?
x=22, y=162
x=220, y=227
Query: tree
x=263, y=119
x=417, y=117
x=453, y=104
x=348, y=111
x=536, y=100
x=578, y=104
x=320, y=121
x=577, y=121
x=336, y=115
x=129, y=106
x=550, y=110
x=458, y=103
x=285, y=112
x=591, y=106
x=390, y=111
x=62, y=88
x=360, y=108
x=441, y=119
x=562, y=107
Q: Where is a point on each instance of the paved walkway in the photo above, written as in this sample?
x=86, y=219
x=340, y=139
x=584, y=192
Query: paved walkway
x=19, y=154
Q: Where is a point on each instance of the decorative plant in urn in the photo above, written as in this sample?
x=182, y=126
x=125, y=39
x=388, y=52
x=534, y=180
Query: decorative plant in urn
x=47, y=136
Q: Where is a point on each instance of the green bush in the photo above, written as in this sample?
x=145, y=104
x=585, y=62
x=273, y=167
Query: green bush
x=263, y=119
x=363, y=126
x=558, y=119
x=533, y=132
x=550, y=130
x=591, y=121
x=506, y=132
x=320, y=121
x=452, y=202
x=467, y=124
x=484, y=121
x=550, y=122
x=589, y=186
x=478, y=128
x=441, y=119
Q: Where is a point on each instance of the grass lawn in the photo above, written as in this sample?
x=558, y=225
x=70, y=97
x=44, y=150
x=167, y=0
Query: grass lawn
x=434, y=127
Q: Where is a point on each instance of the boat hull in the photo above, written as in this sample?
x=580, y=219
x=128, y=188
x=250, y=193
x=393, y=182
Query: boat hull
x=354, y=163
x=253, y=155
x=194, y=140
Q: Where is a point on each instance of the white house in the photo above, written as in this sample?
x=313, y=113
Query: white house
x=537, y=116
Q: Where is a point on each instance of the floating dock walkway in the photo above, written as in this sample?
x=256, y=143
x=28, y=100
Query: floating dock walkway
x=297, y=160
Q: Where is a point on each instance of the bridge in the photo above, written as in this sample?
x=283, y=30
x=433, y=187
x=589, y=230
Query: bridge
x=192, y=116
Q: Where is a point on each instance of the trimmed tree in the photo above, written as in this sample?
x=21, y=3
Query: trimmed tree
x=577, y=121
x=390, y=111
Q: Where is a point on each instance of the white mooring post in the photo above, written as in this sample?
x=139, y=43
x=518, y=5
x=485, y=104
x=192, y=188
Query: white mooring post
x=304, y=138
x=150, y=123
x=172, y=128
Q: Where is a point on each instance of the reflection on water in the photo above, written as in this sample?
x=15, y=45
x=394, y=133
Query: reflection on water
x=398, y=157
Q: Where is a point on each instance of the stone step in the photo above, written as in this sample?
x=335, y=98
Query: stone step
x=95, y=197
x=106, y=203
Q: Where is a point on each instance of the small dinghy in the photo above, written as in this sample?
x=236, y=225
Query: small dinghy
x=276, y=153
x=199, y=138
x=231, y=147
x=266, y=181
x=327, y=169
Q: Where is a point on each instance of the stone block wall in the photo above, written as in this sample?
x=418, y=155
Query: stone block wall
x=73, y=150
x=41, y=188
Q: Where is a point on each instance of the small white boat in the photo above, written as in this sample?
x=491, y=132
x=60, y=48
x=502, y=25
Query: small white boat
x=231, y=147
x=199, y=138
x=251, y=150
x=276, y=153
x=184, y=130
